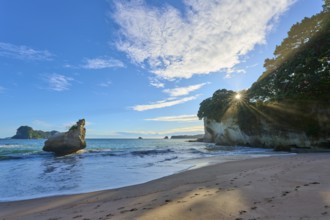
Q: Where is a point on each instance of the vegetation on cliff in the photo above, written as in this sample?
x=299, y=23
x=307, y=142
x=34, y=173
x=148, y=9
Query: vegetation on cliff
x=293, y=92
x=301, y=66
x=26, y=132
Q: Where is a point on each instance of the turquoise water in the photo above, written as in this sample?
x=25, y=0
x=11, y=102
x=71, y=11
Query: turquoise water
x=28, y=172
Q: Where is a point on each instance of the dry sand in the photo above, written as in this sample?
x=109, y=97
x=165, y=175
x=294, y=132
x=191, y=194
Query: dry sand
x=286, y=187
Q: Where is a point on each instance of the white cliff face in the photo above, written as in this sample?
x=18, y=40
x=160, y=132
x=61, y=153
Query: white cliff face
x=227, y=132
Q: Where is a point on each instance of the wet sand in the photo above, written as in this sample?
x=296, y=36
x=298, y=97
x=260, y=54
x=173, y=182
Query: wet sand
x=285, y=187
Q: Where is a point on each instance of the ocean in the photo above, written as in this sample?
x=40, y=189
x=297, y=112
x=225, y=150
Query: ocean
x=27, y=172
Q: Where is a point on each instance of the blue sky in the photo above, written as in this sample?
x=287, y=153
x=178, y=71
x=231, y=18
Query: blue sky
x=132, y=68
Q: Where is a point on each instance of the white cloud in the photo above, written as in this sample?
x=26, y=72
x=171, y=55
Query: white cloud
x=59, y=82
x=205, y=37
x=163, y=104
x=156, y=83
x=23, y=52
x=105, y=84
x=177, y=118
x=181, y=91
x=102, y=63
x=231, y=72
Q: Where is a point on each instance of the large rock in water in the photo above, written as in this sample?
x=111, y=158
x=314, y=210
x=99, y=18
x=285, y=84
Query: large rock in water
x=68, y=142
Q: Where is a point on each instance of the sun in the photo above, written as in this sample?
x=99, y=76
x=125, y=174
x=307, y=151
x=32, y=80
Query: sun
x=238, y=96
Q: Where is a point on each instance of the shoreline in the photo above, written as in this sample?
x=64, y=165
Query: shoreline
x=276, y=187
x=191, y=164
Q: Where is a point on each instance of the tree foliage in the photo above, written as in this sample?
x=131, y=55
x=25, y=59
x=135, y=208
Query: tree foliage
x=301, y=66
x=297, y=77
x=326, y=5
x=217, y=105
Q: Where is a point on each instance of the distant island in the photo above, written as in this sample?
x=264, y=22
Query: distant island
x=197, y=136
x=26, y=132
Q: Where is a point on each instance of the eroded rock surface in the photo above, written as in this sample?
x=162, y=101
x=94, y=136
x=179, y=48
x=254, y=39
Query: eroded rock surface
x=68, y=142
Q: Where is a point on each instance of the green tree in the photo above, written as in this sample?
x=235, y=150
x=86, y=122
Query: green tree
x=326, y=5
x=300, y=67
x=217, y=105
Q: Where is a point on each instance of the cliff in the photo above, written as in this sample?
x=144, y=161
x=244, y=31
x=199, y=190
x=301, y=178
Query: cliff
x=273, y=125
x=26, y=132
x=289, y=105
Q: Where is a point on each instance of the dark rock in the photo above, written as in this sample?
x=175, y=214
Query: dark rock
x=68, y=142
x=282, y=148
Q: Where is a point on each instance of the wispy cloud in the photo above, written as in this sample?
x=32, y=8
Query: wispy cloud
x=231, y=72
x=2, y=89
x=41, y=124
x=156, y=82
x=163, y=104
x=102, y=63
x=179, y=130
x=172, y=100
x=58, y=82
x=197, y=128
x=105, y=84
x=23, y=52
x=252, y=66
x=177, y=118
x=181, y=91
x=205, y=37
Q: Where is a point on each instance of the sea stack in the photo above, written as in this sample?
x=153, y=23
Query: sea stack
x=68, y=142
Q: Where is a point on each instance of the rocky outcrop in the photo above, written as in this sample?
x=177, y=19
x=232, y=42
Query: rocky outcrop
x=228, y=132
x=68, y=142
x=278, y=126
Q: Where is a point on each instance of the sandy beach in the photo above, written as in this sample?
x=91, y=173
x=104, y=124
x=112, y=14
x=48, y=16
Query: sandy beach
x=284, y=187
